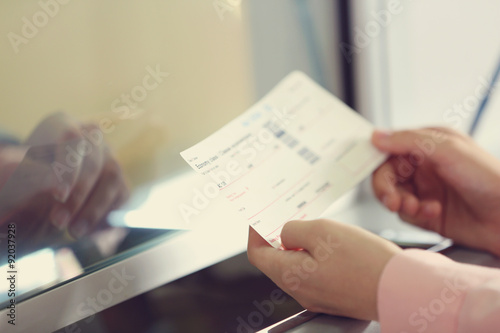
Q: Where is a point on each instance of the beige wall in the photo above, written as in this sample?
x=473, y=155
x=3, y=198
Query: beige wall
x=91, y=52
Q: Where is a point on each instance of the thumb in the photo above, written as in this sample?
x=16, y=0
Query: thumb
x=297, y=235
x=405, y=142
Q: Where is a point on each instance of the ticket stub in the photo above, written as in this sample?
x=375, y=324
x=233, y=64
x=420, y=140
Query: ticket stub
x=288, y=157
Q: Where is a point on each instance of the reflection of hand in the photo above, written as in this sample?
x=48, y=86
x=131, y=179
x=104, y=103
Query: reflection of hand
x=336, y=272
x=441, y=180
x=68, y=177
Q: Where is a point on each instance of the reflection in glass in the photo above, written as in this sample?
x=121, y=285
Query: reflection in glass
x=66, y=181
x=138, y=82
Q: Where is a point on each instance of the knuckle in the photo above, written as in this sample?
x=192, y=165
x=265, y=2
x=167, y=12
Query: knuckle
x=111, y=169
x=251, y=258
x=71, y=133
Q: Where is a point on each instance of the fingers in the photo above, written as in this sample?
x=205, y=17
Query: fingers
x=384, y=182
x=429, y=144
x=409, y=204
x=298, y=235
x=270, y=261
x=101, y=201
x=91, y=183
x=427, y=216
x=398, y=143
x=65, y=134
x=408, y=182
x=93, y=199
x=86, y=178
x=68, y=163
x=404, y=199
x=393, y=186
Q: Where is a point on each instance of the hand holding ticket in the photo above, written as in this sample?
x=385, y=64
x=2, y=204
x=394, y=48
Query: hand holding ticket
x=289, y=156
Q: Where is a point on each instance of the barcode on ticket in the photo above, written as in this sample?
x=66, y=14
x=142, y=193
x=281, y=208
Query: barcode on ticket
x=286, y=138
x=308, y=155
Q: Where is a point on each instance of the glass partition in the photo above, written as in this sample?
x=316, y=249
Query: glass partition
x=98, y=99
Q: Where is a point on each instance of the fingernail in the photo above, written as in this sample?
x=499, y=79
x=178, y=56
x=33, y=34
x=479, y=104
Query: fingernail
x=79, y=229
x=60, y=218
x=382, y=134
x=62, y=193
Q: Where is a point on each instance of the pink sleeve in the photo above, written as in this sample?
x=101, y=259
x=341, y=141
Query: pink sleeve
x=421, y=291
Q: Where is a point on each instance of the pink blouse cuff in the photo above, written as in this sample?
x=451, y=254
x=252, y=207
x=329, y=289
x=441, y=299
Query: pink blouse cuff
x=421, y=291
